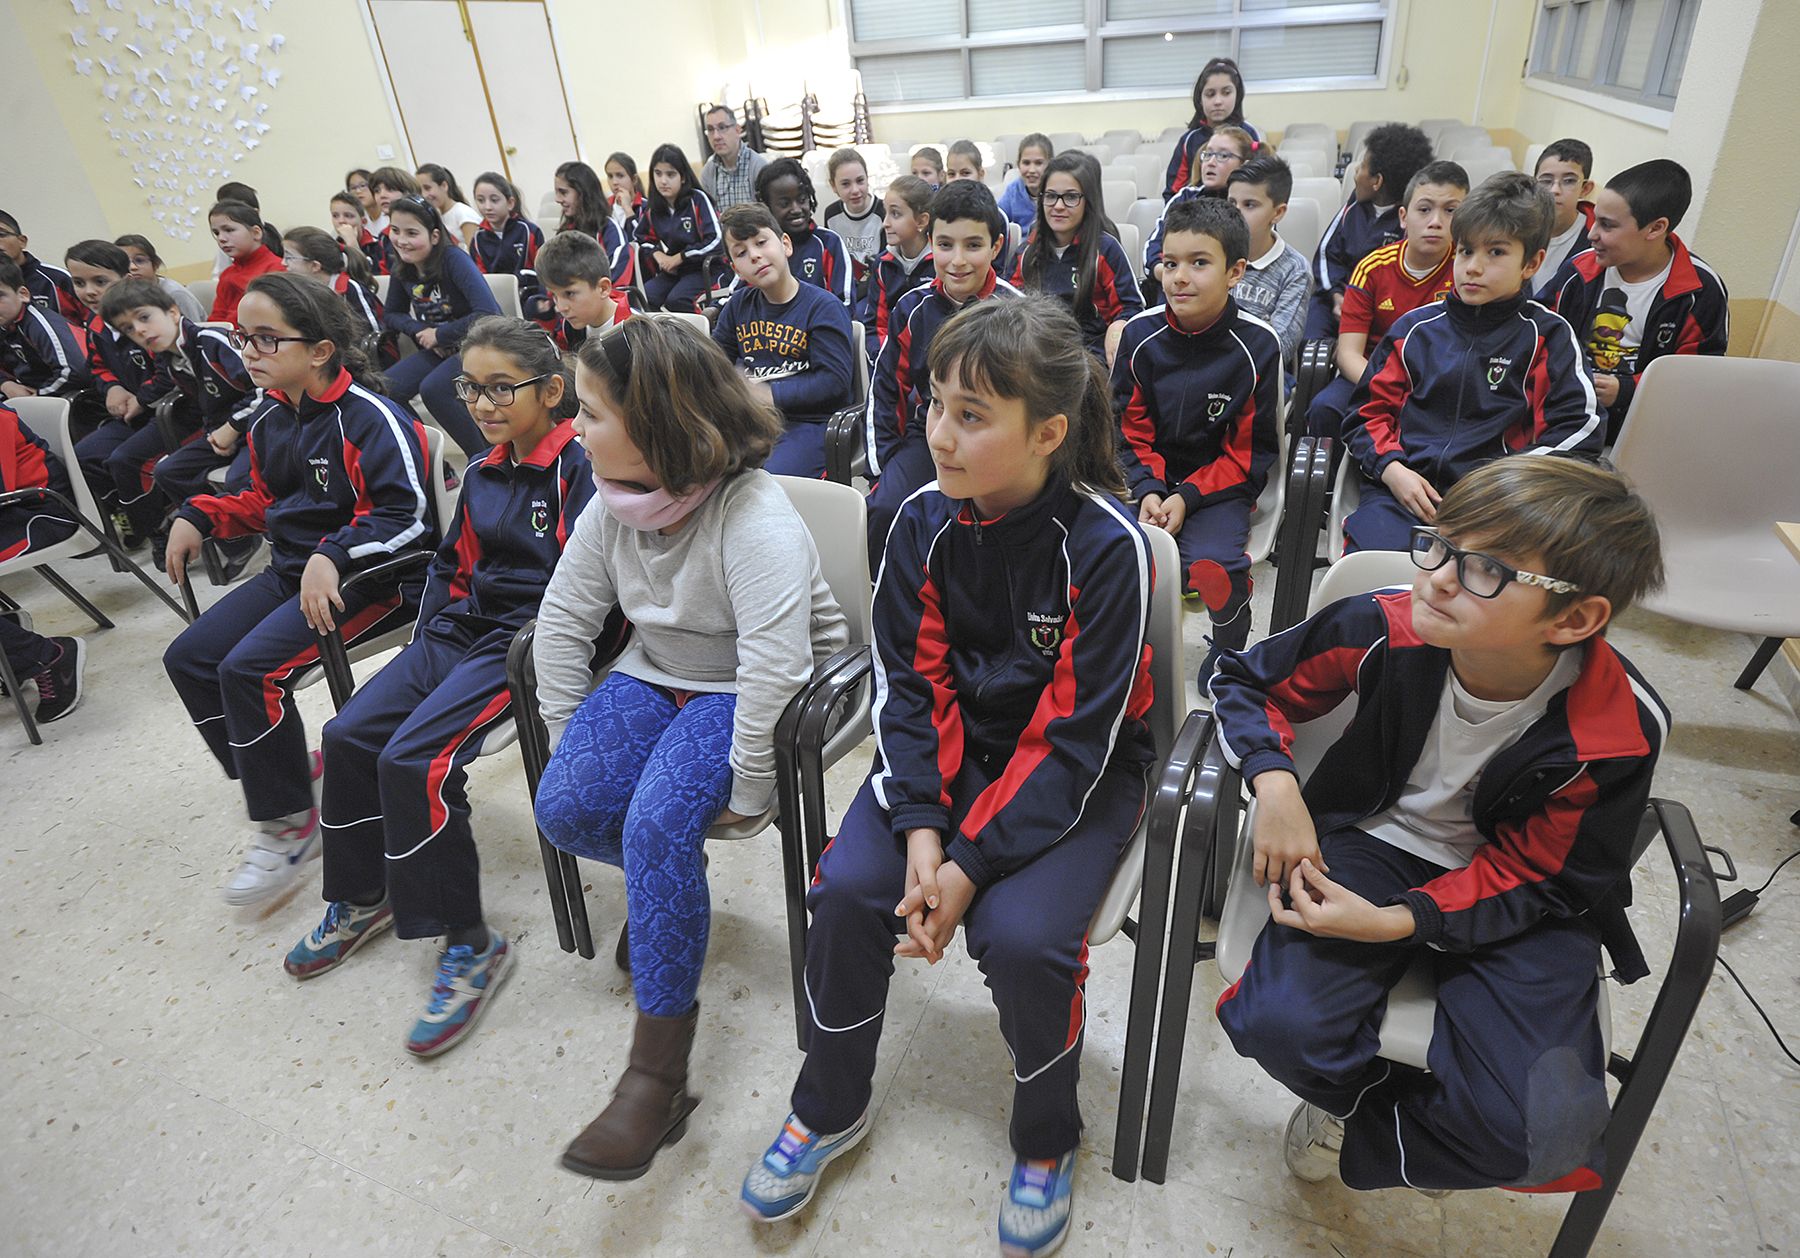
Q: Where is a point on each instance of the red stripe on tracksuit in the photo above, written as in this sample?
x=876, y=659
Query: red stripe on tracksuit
x=353, y=628
x=441, y=763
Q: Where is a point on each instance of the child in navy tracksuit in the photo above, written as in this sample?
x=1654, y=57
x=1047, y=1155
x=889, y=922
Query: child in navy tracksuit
x=54, y=664
x=1227, y=150
x=792, y=340
x=905, y=264
x=507, y=242
x=1485, y=373
x=1640, y=293
x=121, y=371
x=1477, y=816
x=395, y=807
x=575, y=274
x=1072, y=257
x=1197, y=387
x=42, y=354
x=1392, y=155
x=215, y=402
x=51, y=287
x=675, y=235
x=1011, y=683
x=819, y=255
x=1218, y=102
x=435, y=294
x=320, y=255
x=966, y=237
x=338, y=482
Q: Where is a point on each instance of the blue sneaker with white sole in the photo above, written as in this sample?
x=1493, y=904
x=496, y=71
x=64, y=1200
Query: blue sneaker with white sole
x=784, y=1179
x=345, y=928
x=1040, y=1200
x=466, y=981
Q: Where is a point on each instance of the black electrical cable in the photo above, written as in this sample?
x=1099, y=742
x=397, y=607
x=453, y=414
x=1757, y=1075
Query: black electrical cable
x=1779, y=1042
x=1771, y=878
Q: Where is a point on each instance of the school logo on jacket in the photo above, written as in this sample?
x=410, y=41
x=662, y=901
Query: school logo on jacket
x=1664, y=335
x=687, y=222
x=809, y=267
x=139, y=360
x=540, y=517
x=1496, y=371
x=1046, y=631
x=211, y=386
x=321, y=470
x=1216, y=404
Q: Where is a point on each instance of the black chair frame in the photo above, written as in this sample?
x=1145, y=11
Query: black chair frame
x=1297, y=544
x=1208, y=847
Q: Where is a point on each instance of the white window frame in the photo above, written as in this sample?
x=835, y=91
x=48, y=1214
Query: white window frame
x=1096, y=29
x=1549, y=69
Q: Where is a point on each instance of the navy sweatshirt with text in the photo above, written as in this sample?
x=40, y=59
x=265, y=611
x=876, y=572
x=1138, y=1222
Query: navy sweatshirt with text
x=801, y=349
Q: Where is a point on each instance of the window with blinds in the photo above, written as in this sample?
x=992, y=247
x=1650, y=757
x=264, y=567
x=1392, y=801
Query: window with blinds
x=1632, y=49
x=922, y=51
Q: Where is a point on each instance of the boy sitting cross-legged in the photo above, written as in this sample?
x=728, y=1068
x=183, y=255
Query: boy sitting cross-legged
x=1484, y=373
x=1478, y=812
x=792, y=340
x=1197, y=386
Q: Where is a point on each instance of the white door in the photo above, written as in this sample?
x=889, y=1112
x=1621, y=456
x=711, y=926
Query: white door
x=525, y=88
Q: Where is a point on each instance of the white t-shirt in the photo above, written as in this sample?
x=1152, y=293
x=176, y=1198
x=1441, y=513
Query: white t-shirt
x=1618, y=327
x=1556, y=252
x=1434, y=817
x=1639, y=297
x=459, y=214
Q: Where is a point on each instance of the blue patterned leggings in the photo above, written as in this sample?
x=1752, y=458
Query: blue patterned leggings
x=635, y=782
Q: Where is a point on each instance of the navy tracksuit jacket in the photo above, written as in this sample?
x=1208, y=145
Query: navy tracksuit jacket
x=1356, y=231
x=889, y=281
x=802, y=350
x=1116, y=294
x=1691, y=315
x=52, y=289
x=45, y=351
x=691, y=229
x=365, y=307
x=899, y=396
x=1453, y=386
x=1187, y=154
x=1200, y=418
x=395, y=810
x=115, y=361
x=344, y=476
x=1011, y=686
x=1516, y=1096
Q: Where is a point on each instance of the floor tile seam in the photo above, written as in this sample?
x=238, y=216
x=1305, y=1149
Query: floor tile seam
x=1737, y=1161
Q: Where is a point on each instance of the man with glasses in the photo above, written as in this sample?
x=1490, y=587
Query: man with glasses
x=729, y=176
x=1475, y=819
x=1565, y=170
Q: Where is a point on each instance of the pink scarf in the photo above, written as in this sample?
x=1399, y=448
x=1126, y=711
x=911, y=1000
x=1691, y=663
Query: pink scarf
x=652, y=509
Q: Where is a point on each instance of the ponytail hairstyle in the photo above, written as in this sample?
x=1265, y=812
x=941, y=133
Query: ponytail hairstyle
x=333, y=255
x=1086, y=172
x=504, y=186
x=441, y=174
x=671, y=155
x=318, y=314
x=532, y=351
x=1218, y=65
x=592, y=200
x=629, y=165
x=686, y=407
x=1031, y=349
x=245, y=213
x=424, y=212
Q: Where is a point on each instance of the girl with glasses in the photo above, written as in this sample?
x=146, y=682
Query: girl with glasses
x=1074, y=254
x=341, y=267
x=337, y=484
x=1226, y=149
x=399, y=851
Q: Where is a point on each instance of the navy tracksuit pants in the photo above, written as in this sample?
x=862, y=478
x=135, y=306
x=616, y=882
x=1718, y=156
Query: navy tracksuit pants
x=680, y=289
x=800, y=452
x=21, y=532
x=234, y=669
x=902, y=473
x=125, y=461
x=1330, y=408
x=431, y=377
x=396, y=806
x=184, y=473
x=1027, y=931
x=1516, y=1095
x=1215, y=567
x=1379, y=521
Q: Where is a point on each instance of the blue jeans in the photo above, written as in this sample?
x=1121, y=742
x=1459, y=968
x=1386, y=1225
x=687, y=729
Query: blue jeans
x=426, y=375
x=636, y=780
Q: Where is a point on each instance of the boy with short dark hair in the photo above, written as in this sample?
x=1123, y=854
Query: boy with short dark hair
x=51, y=287
x=1484, y=373
x=791, y=340
x=576, y=273
x=1396, y=278
x=819, y=256
x=967, y=235
x=1276, y=281
x=1392, y=154
x=1197, y=388
x=42, y=354
x=1639, y=293
x=1565, y=170
x=1477, y=816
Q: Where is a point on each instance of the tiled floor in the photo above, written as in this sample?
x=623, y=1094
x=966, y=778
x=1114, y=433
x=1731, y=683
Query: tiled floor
x=168, y=1090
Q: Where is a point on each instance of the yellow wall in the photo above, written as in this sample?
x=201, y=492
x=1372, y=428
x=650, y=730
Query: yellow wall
x=624, y=97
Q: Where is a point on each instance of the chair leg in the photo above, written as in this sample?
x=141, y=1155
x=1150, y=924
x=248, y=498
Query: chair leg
x=1146, y=973
x=1764, y=653
x=578, y=915
x=18, y=697
x=69, y=592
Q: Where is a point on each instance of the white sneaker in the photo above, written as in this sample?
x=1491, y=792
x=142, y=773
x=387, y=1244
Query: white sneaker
x=1313, y=1144
x=273, y=860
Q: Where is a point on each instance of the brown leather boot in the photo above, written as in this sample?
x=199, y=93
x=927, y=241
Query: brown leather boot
x=650, y=1107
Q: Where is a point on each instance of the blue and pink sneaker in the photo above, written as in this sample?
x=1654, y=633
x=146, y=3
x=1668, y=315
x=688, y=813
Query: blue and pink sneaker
x=1034, y=1218
x=465, y=984
x=784, y=1179
x=345, y=928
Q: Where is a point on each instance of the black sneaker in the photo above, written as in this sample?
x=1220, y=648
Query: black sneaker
x=59, y=684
